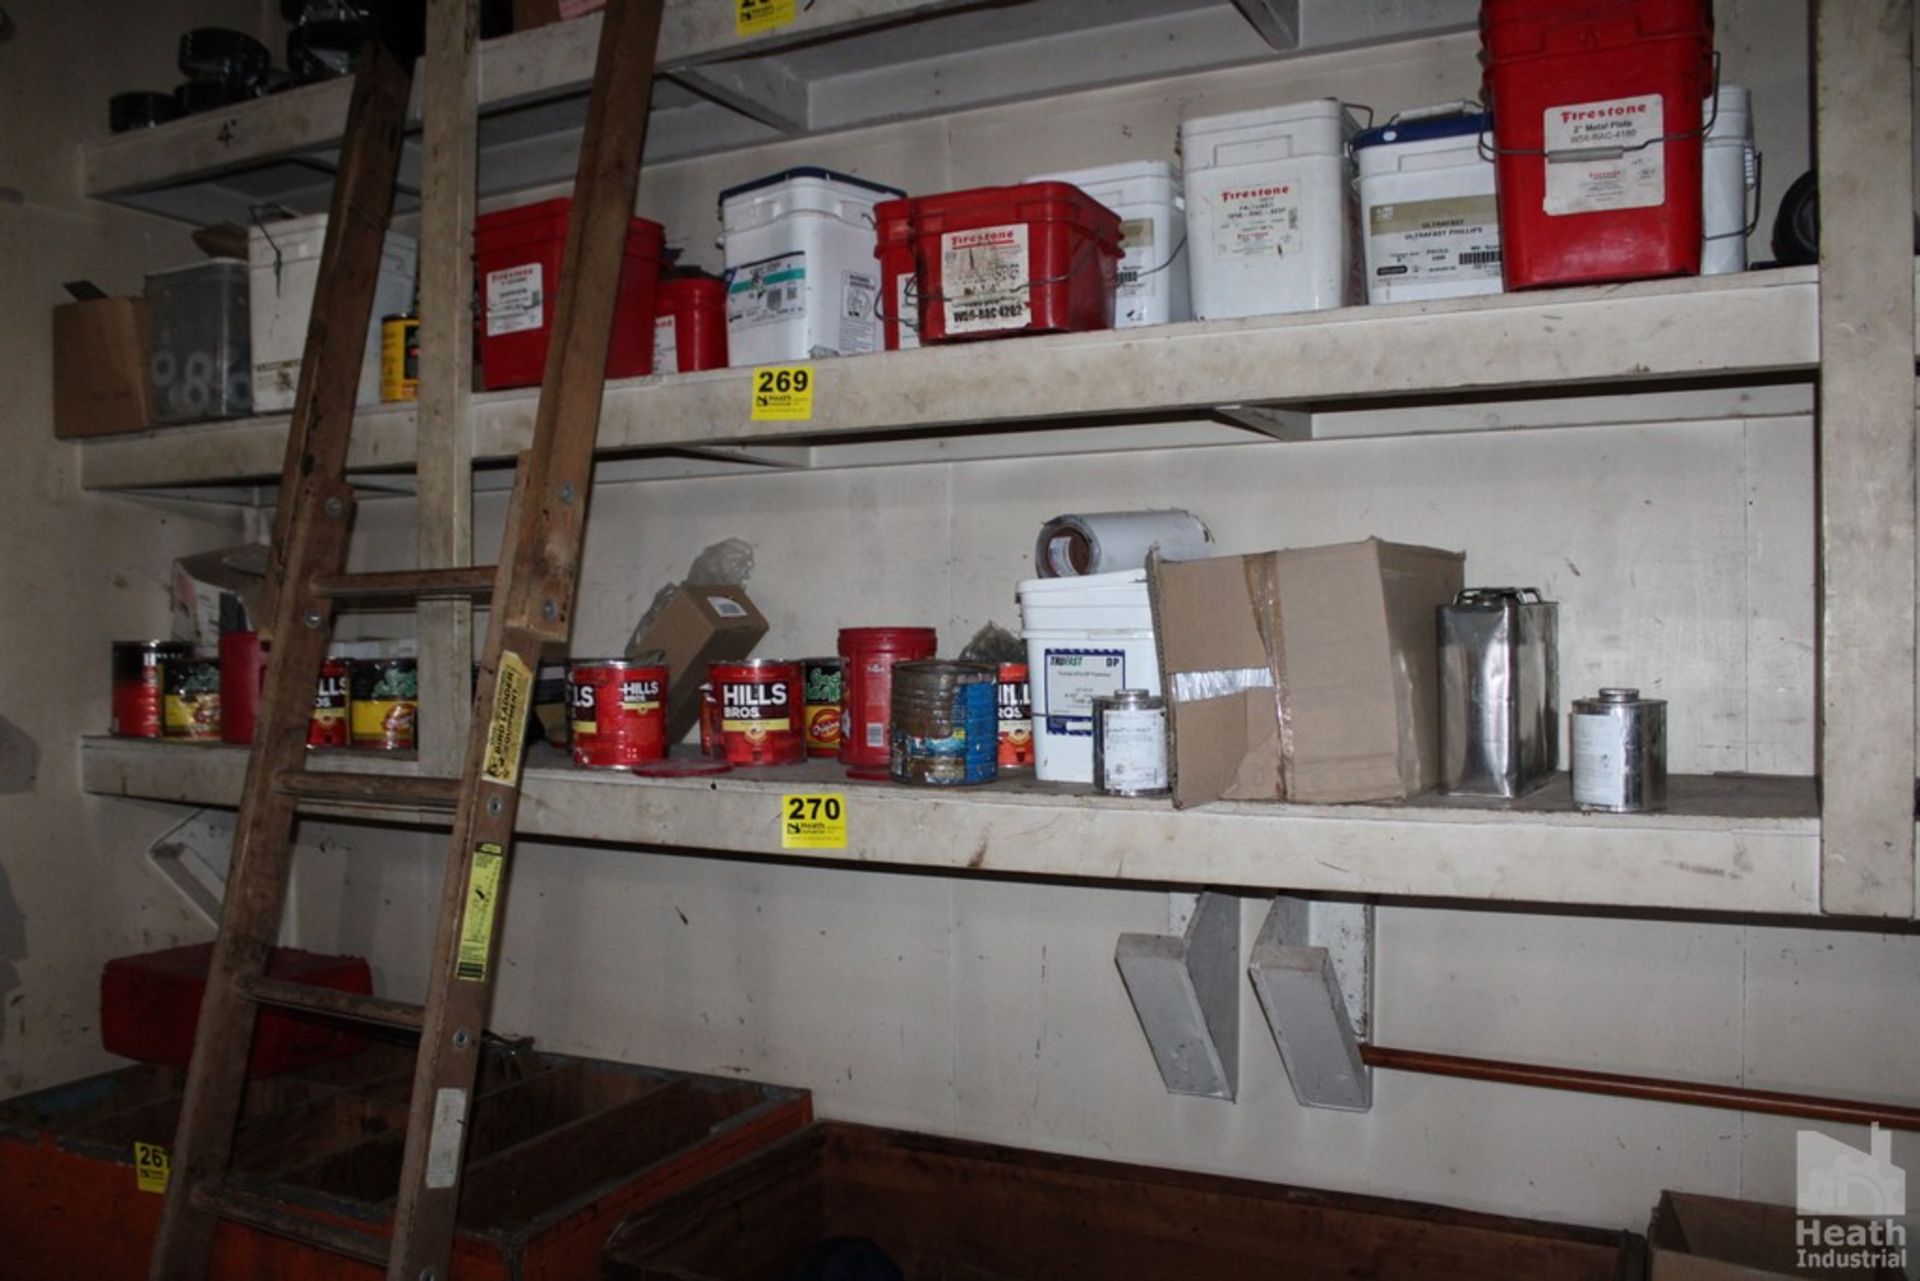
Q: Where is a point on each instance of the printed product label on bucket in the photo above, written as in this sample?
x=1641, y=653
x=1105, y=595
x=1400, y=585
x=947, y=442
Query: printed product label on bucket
x=1455, y=238
x=857, y=292
x=983, y=279
x=1257, y=221
x=1136, y=237
x=1613, y=176
x=768, y=292
x=515, y=300
x=666, y=346
x=1074, y=678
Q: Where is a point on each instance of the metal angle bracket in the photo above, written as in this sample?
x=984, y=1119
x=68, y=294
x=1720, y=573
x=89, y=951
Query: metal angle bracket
x=193, y=857
x=1185, y=991
x=1312, y=968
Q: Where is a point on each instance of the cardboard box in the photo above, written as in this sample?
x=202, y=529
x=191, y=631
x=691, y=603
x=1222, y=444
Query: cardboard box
x=528, y=14
x=100, y=368
x=1710, y=1238
x=1345, y=633
x=698, y=624
x=200, y=580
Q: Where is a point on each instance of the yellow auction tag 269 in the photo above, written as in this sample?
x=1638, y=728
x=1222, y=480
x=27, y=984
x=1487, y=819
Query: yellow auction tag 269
x=783, y=393
x=151, y=1167
x=750, y=17
x=813, y=821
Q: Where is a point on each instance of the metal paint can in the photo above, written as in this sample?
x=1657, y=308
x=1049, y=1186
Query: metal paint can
x=821, y=677
x=383, y=703
x=400, y=357
x=1499, y=692
x=1014, y=698
x=944, y=728
x=760, y=710
x=867, y=655
x=191, y=709
x=1619, y=752
x=619, y=712
x=327, y=726
x=139, y=686
x=1130, y=744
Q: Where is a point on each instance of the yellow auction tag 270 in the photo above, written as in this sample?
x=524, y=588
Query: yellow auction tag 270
x=783, y=393
x=813, y=821
x=750, y=17
x=151, y=1167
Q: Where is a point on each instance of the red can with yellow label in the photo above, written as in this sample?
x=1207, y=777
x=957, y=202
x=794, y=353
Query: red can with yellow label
x=327, y=727
x=759, y=706
x=1015, y=702
x=619, y=713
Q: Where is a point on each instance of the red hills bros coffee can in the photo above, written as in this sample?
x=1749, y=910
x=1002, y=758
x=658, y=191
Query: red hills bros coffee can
x=760, y=709
x=619, y=713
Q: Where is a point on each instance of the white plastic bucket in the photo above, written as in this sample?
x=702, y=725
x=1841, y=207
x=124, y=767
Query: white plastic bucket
x=1086, y=637
x=283, y=269
x=1729, y=176
x=1153, y=226
x=801, y=274
x=1429, y=222
x=1270, y=210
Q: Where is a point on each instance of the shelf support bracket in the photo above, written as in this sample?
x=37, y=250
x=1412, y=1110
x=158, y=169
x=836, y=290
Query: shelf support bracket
x=1185, y=990
x=1312, y=968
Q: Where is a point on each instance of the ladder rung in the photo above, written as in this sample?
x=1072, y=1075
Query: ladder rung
x=407, y=584
x=268, y=1215
x=405, y=790
x=357, y=1006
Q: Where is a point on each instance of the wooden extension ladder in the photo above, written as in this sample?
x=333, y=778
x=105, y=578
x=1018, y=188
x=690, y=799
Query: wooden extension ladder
x=532, y=591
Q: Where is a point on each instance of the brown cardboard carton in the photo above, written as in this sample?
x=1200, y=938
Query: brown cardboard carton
x=699, y=624
x=1710, y=1238
x=1345, y=633
x=100, y=367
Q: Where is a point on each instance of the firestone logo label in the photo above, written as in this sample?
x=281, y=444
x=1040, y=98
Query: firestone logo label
x=1602, y=113
x=978, y=239
x=1255, y=193
x=1849, y=1202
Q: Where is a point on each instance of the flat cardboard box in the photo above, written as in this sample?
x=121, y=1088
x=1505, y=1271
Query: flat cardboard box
x=1710, y=1238
x=200, y=580
x=700, y=623
x=100, y=368
x=1345, y=632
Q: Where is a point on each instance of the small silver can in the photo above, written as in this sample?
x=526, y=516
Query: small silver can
x=1130, y=744
x=1619, y=752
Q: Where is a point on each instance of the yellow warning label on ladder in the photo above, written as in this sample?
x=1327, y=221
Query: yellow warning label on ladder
x=476, y=923
x=507, y=732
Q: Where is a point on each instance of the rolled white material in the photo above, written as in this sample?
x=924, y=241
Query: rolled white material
x=1108, y=542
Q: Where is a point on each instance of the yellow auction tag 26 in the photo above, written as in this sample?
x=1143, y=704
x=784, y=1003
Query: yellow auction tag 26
x=750, y=17
x=813, y=821
x=783, y=393
x=151, y=1167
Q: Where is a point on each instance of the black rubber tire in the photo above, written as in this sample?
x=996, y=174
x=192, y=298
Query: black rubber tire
x=223, y=56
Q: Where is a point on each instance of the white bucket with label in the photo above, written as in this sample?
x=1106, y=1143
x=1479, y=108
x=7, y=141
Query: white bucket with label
x=801, y=275
x=1153, y=226
x=1270, y=210
x=1429, y=222
x=283, y=269
x=1086, y=637
x=1729, y=183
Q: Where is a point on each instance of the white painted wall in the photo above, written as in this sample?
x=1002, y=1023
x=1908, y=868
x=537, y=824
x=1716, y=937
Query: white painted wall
x=1681, y=555
x=77, y=570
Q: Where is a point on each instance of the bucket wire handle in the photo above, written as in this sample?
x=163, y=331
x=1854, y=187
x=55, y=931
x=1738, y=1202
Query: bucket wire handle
x=256, y=215
x=1751, y=199
x=1575, y=155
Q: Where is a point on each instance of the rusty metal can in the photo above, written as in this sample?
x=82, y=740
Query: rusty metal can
x=821, y=677
x=1013, y=698
x=383, y=703
x=400, y=357
x=191, y=709
x=619, y=712
x=759, y=710
x=941, y=731
x=139, y=686
x=327, y=726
